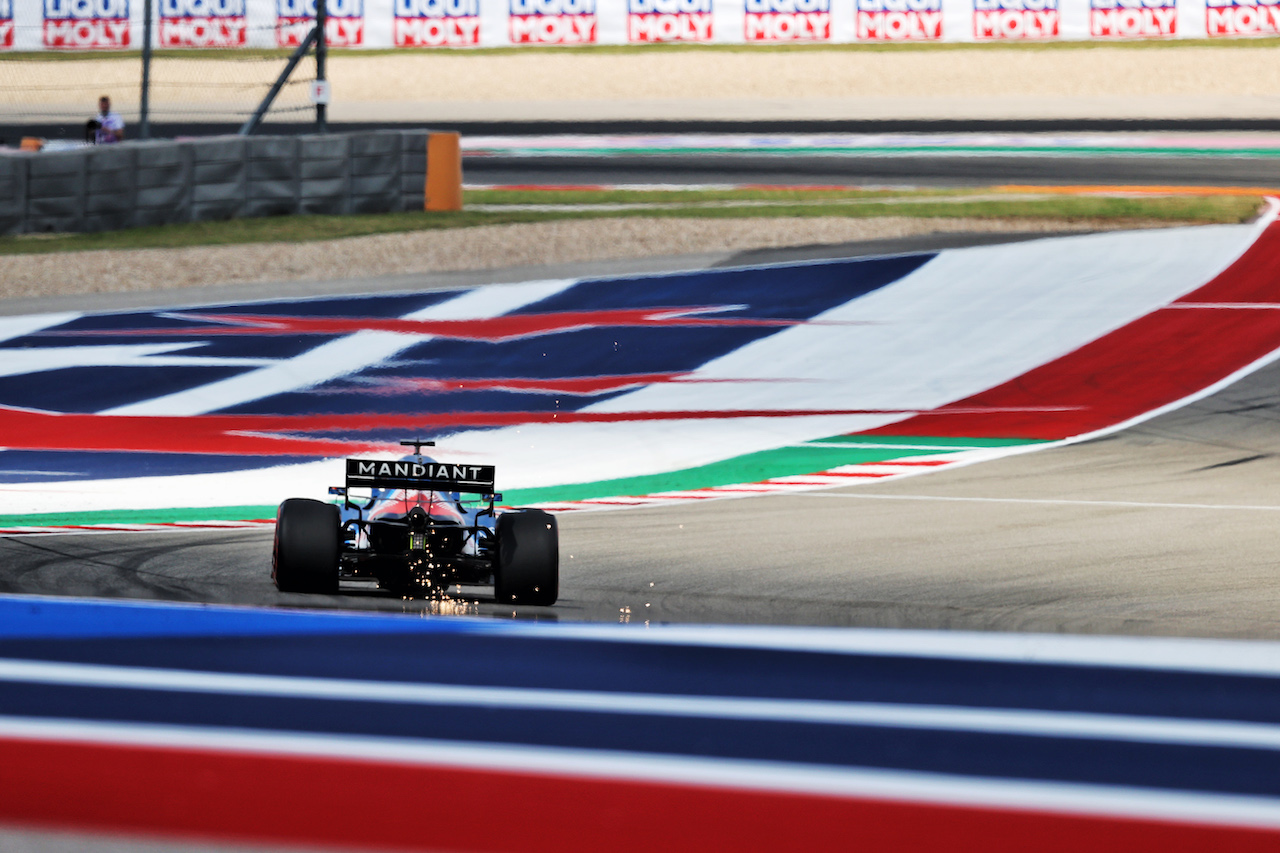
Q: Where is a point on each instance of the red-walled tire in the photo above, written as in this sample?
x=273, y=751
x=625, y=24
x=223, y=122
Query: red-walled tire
x=307, y=547
x=528, y=565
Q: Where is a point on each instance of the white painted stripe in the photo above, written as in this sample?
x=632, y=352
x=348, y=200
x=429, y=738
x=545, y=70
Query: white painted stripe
x=1041, y=723
x=348, y=354
x=1041, y=501
x=730, y=774
x=19, y=326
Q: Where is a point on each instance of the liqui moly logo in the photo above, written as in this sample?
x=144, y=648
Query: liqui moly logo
x=202, y=23
x=669, y=20
x=344, y=27
x=899, y=20
x=1133, y=18
x=553, y=21
x=1015, y=19
x=436, y=23
x=86, y=24
x=788, y=20
x=6, y=24
x=1242, y=17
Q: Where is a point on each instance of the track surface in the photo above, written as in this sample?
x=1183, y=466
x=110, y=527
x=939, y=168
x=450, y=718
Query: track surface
x=916, y=171
x=1167, y=528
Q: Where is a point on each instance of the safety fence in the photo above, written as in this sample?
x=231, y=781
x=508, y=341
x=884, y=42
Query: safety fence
x=99, y=188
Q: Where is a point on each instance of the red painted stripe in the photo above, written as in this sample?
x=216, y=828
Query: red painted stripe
x=1151, y=362
x=241, y=797
x=929, y=463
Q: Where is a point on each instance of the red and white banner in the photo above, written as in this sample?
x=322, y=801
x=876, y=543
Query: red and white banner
x=1015, y=19
x=1128, y=19
x=788, y=20
x=669, y=20
x=6, y=24
x=436, y=23
x=899, y=20
x=344, y=28
x=86, y=24
x=1241, y=18
x=202, y=23
x=552, y=21
x=35, y=25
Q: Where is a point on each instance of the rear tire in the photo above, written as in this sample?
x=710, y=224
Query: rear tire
x=307, y=547
x=528, y=565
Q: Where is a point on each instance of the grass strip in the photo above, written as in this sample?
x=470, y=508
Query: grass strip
x=299, y=229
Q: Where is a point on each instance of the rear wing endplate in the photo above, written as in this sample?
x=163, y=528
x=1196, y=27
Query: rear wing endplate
x=424, y=476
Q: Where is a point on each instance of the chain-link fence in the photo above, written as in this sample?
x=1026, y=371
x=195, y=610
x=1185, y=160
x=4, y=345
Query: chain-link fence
x=203, y=85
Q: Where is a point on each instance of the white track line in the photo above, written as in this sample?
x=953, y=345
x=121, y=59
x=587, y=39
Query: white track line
x=1034, y=501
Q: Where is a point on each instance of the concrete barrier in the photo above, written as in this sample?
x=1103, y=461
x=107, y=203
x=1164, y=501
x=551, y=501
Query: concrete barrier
x=103, y=188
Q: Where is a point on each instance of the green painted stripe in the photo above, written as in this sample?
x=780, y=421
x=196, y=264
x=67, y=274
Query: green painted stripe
x=932, y=441
x=140, y=516
x=751, y=468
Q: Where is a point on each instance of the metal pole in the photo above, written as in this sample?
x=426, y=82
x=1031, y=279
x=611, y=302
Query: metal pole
x=261, y=111
x=322, y=52
x=144, y=118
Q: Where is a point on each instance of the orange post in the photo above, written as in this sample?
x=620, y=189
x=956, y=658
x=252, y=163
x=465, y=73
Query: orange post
x=444, y=171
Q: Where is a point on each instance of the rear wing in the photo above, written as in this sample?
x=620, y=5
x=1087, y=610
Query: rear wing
x=423, y=476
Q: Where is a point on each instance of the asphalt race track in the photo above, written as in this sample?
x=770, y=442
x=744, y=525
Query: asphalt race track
x=934, y=170
x=1167, y=528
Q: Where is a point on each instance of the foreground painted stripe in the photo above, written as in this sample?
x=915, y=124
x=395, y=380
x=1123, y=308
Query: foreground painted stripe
x=201, y=784
x=948, y=718
x=29, y=617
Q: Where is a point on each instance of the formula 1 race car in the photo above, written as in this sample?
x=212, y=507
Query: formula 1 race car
x=417, y=527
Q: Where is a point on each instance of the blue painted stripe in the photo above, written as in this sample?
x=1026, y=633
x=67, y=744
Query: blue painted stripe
x=483, y=652
x=1077, y=760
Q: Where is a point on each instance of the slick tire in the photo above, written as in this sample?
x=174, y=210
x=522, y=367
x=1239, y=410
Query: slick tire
x=307, y=547
x=528, y=565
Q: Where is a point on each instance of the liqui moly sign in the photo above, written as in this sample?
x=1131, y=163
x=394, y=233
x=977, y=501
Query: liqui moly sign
x=788, y=20
x=436, y=23
x=1015, y=19
x=202, y=23
x=899, y=20
x=1242, y=17
x=344, y=27
x=553, y=21
x=6, y=24
x=1133, y=18
x=669, y=20
x=86, y=24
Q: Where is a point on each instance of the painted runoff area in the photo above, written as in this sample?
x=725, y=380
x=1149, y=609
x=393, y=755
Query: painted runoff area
x=241, y=725
x=609, y=393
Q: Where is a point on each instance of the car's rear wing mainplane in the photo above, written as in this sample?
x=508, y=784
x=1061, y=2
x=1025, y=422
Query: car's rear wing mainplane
x=426, y=476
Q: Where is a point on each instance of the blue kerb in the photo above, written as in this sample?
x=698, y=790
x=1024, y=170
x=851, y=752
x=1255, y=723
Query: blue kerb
x=33, y=617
